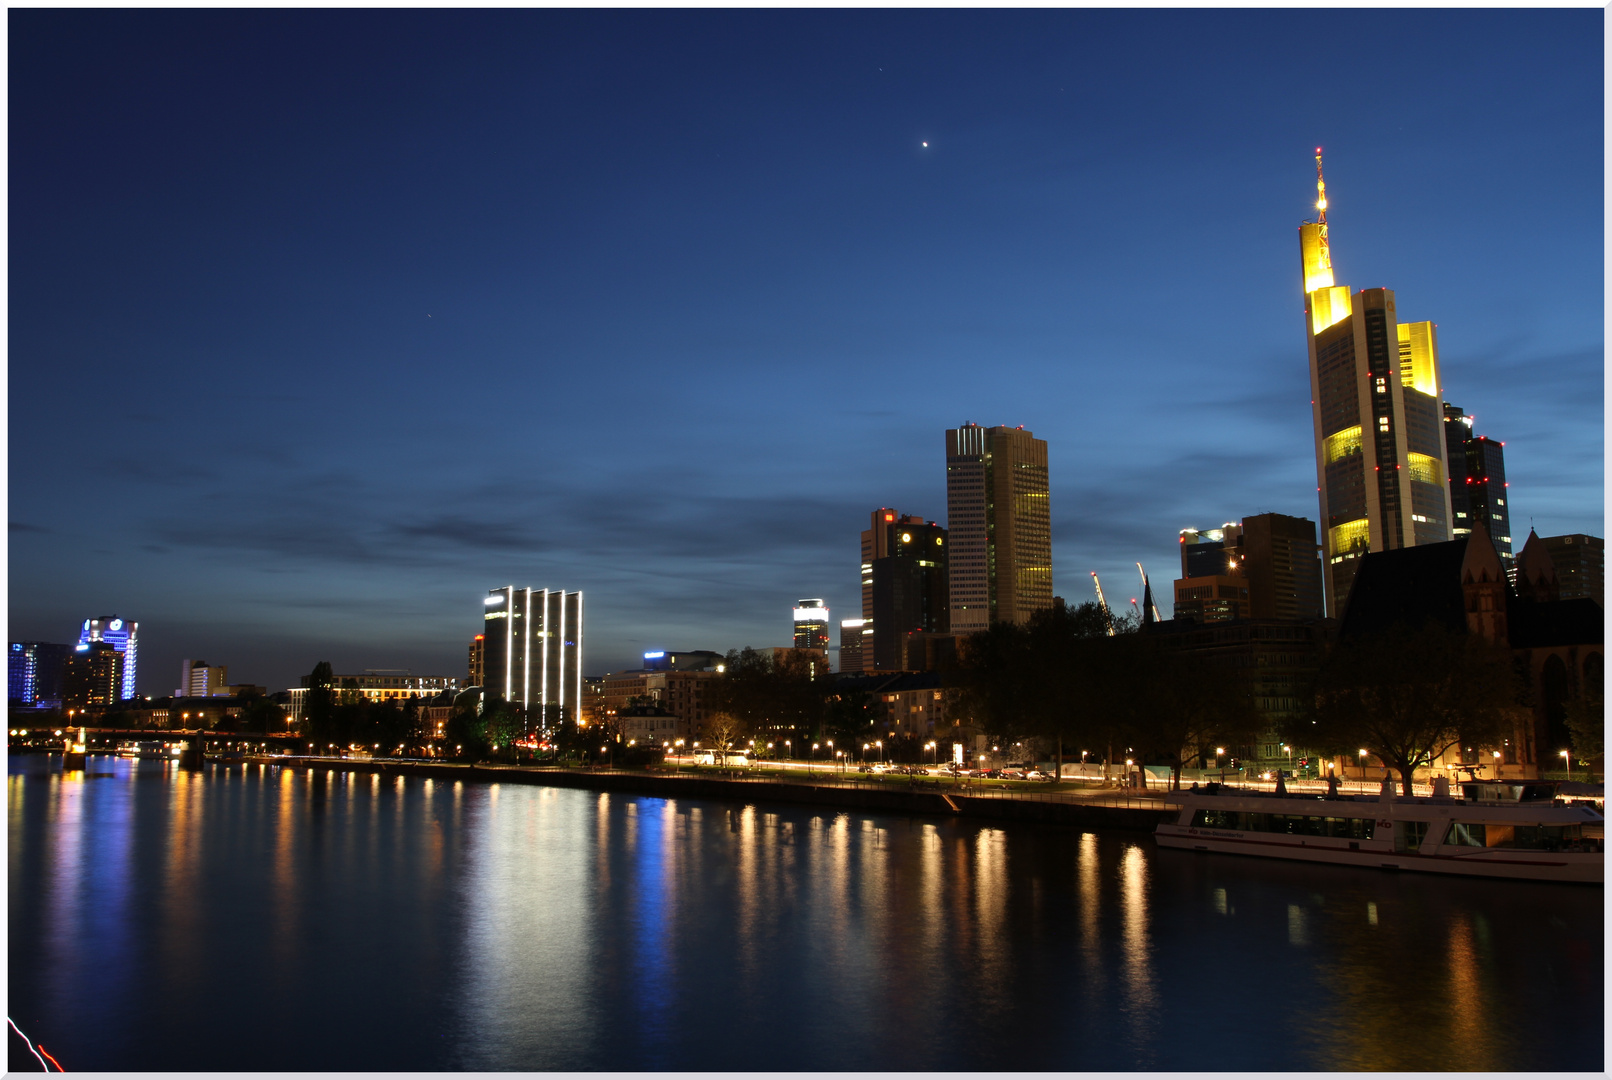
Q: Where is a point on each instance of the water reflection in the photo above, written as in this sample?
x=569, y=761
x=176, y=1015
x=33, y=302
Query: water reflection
x=461, y=926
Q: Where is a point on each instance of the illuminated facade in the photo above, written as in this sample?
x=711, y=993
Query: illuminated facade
x=811, y=625
x=122, y=636
x=532, y=651
x=1212, y=598
x=34, y=675
x=855, y=645
x=905, y=587
x=999, y=526
x=1273, y=556
x=92, y=678
x=1380, y=454
x=478, y=660
x=198, y=678
x=379, y=686
x=1478, y=494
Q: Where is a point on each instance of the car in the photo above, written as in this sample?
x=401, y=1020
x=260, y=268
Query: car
x=1012, y=774
x=1036, y=774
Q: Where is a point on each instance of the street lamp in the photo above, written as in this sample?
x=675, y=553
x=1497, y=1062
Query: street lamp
x=880, y=744
x=1220, y=761
x=813, y=760
x=1568, y=757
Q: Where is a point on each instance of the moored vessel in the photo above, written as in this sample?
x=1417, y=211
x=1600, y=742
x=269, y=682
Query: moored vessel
x=1502, y=829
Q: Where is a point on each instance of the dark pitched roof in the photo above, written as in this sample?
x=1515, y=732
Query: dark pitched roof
x=1407, y=585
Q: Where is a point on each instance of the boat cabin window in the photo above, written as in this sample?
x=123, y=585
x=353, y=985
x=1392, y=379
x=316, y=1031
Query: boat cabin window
x=1408, y=837
x=1516, y=837
x=1352, y=828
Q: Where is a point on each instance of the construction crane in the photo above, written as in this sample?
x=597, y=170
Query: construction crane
x=1107, y=615
x=1147, y=591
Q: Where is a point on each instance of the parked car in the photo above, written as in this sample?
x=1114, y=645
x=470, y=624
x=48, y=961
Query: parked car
x=1036, y=774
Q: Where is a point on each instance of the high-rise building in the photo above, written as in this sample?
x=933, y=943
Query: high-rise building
x=1478, y=489
x=1380, y=457
x=999, y=526
x=92, y=678
x=1282, y=562
x=478, y=660
x=198, y=678
x=122, y=636
x=905, y=586
x=1265, y=567
x=855, y=645
x=811, y=624
x=34, y=676
x=532, y=652
x=1579, y=561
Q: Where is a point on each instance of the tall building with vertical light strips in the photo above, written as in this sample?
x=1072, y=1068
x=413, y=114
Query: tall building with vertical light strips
x=999, y=526
x=1380, y=457
x=532, y=652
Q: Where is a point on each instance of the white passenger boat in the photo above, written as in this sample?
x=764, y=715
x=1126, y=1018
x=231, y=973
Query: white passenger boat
x=1503, y=829
x=145, y=748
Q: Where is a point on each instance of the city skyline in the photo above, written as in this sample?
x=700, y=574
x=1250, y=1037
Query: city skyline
x=274, y=277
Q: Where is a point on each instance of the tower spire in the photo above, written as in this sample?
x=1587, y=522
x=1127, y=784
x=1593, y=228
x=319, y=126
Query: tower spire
x=1321, y=209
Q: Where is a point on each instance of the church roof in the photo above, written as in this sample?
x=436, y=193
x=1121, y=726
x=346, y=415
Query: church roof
x=1407, y=585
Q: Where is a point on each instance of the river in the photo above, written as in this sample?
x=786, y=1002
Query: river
x=255, y=918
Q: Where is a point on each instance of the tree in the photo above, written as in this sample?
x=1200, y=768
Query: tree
x=1586, y=716
x=1409, y=694
x=260, y=715
x=319, y=704
x=723, y=729
x=763, y=695
x=1176, y=700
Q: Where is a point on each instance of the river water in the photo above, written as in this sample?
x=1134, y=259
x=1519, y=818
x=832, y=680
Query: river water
x=254, y=918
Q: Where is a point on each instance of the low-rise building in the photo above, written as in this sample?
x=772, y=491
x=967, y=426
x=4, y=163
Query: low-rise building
x=379, y=684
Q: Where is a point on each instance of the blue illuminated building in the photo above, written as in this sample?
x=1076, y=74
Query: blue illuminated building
x=122, y=636
x=35, y=673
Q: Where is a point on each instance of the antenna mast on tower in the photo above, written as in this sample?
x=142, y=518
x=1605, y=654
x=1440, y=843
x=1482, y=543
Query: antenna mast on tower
x=1321, y=209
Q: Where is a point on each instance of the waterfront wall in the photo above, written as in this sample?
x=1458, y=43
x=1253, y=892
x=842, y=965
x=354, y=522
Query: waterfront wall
x=938, y=801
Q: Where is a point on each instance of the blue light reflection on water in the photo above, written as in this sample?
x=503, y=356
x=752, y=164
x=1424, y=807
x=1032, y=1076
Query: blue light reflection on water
x=259, y=918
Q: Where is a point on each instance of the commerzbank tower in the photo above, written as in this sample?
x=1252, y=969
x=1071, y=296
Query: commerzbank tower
x=1380, y=458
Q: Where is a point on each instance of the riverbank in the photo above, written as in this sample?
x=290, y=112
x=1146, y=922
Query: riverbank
x=1094, y=810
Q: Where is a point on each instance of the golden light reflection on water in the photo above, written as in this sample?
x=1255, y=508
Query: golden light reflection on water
x=561, y=924
x=1088, y=870
x=180, y=926
x=1136, y=966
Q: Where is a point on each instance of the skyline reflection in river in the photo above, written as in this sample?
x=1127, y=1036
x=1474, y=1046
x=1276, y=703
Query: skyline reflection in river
x=257, y=918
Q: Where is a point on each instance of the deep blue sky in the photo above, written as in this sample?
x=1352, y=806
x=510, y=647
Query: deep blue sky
x=324, y=323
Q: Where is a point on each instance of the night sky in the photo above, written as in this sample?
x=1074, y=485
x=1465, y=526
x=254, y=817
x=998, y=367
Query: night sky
x=322, y=324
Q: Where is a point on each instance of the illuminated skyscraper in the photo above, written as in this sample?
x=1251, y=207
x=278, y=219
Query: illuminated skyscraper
x=92, y=677
x=905, y=587
x=1478, y=493
x=855, y=653
x=532, y=652
x=1380, y=458
x=35, y=675
x=999, y=526
x=811, y=625
x=122, y=636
